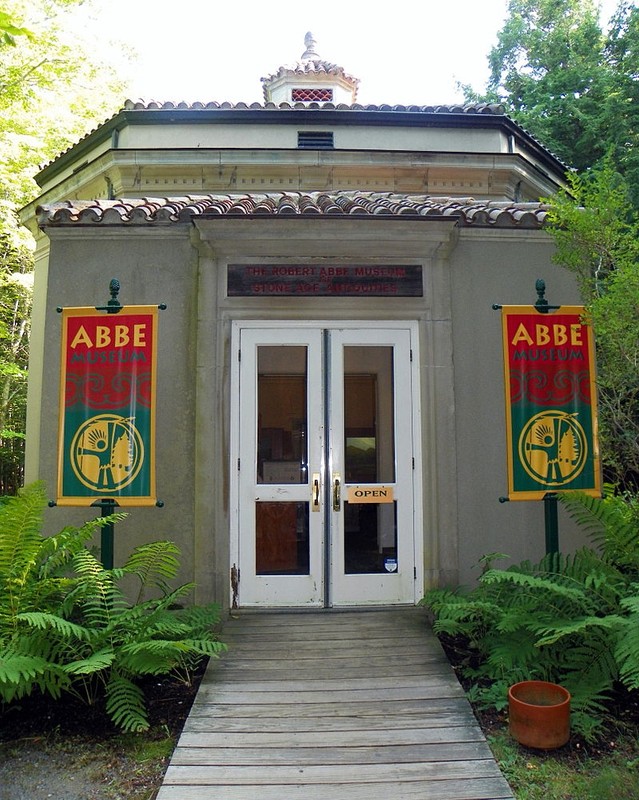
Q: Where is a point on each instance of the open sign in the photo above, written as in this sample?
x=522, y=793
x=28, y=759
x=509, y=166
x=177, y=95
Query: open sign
x=370, y=494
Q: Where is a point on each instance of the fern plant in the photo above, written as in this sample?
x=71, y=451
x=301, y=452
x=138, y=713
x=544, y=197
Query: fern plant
x=569, y=619
x=33, y=578
x=66, y=624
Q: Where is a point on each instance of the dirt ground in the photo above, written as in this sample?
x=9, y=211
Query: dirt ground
x=69, y=751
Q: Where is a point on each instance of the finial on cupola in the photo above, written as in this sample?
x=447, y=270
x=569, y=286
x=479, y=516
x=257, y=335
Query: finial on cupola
x=310, y=44
x=310, y=80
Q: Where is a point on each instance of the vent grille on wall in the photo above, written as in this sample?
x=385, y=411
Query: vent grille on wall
x=311, y=95
x=315, y=140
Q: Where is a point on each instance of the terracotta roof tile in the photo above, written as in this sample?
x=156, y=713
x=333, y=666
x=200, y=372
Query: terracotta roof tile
x=154, y=105
x=169, y=210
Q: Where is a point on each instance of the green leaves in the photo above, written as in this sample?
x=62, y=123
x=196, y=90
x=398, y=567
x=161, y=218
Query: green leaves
x=125, y=704
x=572, y=619
x=567, y=81
x=53, y=90
x=9, y=30
x=67, y=625
x=596, y=231
x=154, y=564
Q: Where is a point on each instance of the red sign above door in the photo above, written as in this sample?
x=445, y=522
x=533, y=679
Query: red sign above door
x=326, y=280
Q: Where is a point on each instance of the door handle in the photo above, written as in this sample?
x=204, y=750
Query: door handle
x=337, y=491
x=315, y=499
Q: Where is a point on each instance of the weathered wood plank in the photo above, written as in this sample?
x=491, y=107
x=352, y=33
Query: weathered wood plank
x=371, y=682
x=329, y=773
x=269, y=722
x=328, y=649
x=293, y=672
x=189, y=753
x=469, y=789
x=441, y=687
x=362, y=657
x=401, y=709
x=342, y=738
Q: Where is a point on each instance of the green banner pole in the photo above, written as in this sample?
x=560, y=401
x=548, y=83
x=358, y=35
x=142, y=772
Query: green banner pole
x=551, y=516
x=107, y=507
x=551, y=519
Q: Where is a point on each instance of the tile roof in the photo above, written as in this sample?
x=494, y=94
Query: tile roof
x=286, y=205
x=469, y=109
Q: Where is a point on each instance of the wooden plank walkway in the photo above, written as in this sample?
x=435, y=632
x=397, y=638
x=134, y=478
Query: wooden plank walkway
x=332, y=705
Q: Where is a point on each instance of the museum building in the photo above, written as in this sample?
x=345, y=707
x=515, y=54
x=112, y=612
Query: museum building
x=330, y=415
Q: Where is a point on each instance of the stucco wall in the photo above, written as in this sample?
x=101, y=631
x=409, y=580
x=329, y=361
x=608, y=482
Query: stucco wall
x=159, y=267
x=487, y=268
x=461, y=376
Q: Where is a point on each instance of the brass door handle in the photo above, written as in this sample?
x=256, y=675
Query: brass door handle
x=337, y=491
x=315, y=499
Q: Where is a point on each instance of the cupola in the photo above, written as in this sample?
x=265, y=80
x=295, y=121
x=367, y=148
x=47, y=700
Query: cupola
x=310, y=80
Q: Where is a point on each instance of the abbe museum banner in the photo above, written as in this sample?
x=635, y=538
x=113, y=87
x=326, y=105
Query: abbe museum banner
x=551, y=408
x=106, y=442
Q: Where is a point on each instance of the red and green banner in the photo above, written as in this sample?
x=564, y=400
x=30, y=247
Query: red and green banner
x=106, y=442
x=551, y=408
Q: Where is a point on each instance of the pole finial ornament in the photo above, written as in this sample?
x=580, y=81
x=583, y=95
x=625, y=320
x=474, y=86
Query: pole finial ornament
x=311, y=47
x=540, y=287
x=114, y=289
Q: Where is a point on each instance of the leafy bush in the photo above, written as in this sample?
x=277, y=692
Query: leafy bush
x=67, y=626
x=571, y=619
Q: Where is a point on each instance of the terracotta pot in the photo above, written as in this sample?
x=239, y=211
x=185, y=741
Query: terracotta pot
x=539, y=714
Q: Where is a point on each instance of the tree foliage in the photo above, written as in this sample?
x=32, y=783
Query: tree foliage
x=574, y=84
x=52, y=91
x=571, y=83
x=596, y=230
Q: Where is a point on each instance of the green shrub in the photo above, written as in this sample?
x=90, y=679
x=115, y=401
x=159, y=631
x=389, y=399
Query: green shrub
x=66, y=624
x=572, y=619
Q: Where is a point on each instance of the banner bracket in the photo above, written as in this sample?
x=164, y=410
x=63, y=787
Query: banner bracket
x=113, y=306
x=541, y=304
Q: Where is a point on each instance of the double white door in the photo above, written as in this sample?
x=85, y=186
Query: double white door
x=324, y=470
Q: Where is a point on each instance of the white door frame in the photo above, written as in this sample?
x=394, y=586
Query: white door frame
x=414, y=422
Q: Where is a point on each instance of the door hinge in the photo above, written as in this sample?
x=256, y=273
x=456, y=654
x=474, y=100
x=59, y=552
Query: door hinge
x=413, y=460
x=414, y=573
x=411, y=356
x=235, y=584
x=238, y=465
x=239, y=355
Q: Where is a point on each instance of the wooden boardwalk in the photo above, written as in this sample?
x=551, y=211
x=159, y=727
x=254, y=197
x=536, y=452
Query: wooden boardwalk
x=353, y=705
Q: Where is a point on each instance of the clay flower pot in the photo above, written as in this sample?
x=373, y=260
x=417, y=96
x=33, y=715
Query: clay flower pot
x=539, y=714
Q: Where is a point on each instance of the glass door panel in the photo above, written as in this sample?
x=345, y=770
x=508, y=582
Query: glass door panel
x=369, y=435
x=281, y=415
x=370, y=538
x=281, y=538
